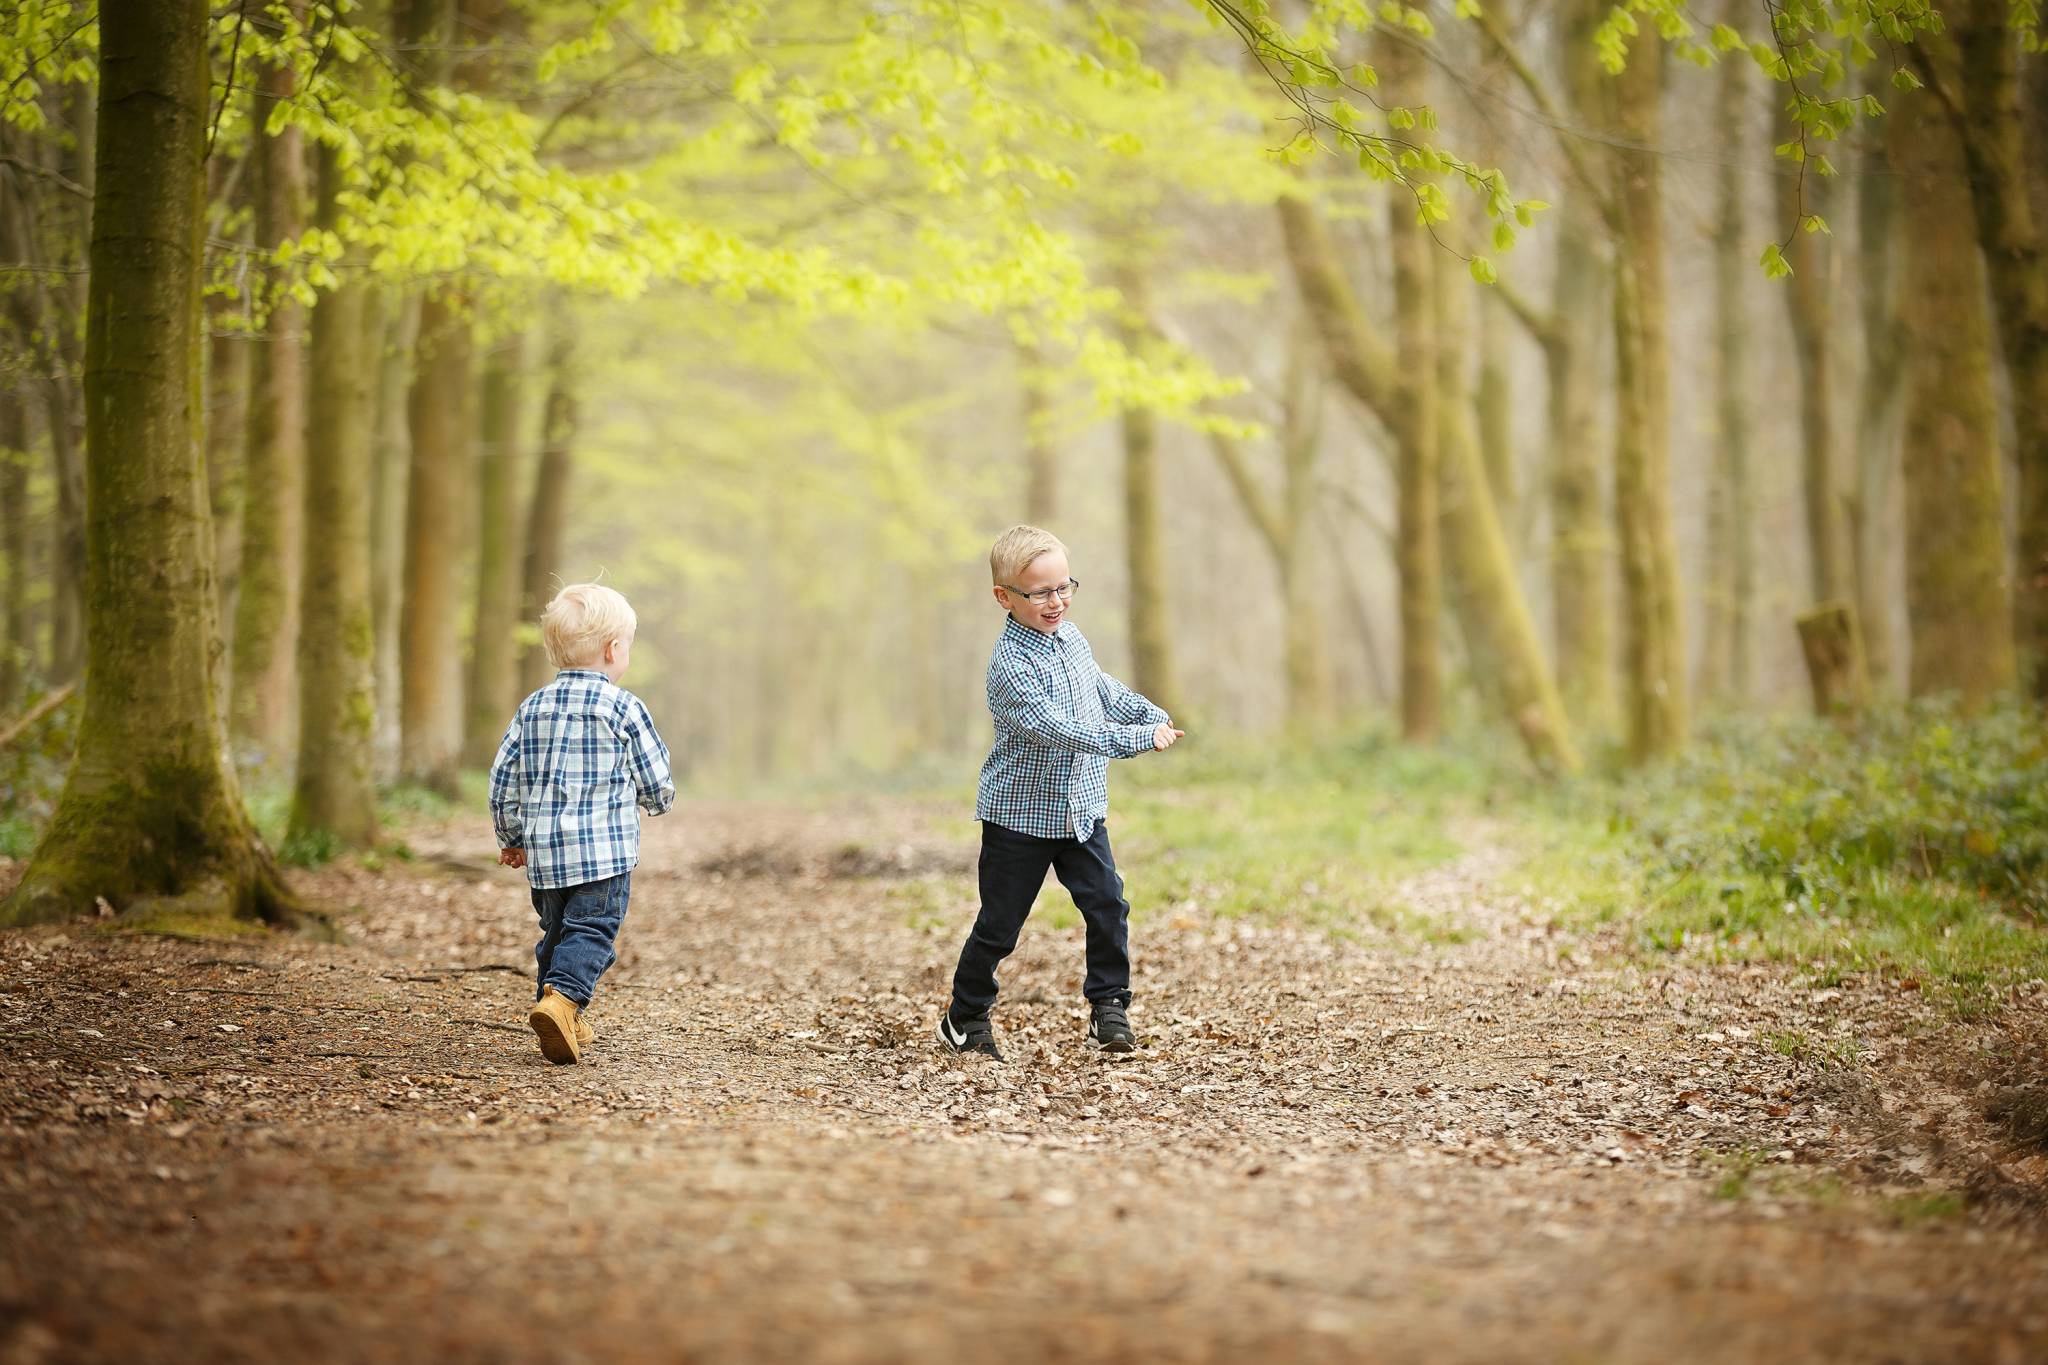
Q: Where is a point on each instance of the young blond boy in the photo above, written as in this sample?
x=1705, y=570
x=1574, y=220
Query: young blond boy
x=580, y=755
x=1044, y=795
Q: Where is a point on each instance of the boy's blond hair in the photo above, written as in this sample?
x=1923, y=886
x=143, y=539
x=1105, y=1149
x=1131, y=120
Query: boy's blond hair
x=581, y=620
x=1014, y=550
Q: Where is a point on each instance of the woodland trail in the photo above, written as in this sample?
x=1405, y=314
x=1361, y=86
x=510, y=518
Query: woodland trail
x=1494, y=1141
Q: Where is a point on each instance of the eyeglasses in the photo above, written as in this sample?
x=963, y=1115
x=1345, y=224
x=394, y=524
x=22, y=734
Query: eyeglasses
x=1064, y=591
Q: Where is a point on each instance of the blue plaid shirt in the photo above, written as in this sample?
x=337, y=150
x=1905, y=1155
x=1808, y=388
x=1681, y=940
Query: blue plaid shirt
x=1059, y=720
x=578, y=756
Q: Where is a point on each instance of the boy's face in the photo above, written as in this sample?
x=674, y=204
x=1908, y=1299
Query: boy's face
x=617, y=654
x=1047, y=571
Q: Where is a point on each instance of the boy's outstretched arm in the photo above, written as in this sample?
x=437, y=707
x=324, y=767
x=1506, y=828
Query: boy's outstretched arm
x=505, y=793
x=1020, y=698
x=1123, y=705
x=647, y=760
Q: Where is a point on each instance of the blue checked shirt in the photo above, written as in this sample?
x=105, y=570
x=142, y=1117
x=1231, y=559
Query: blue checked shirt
x=578, y=757
x=1059, y=720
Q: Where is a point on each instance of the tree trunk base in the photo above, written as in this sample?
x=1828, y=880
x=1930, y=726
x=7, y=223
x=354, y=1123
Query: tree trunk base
x=1833, y=646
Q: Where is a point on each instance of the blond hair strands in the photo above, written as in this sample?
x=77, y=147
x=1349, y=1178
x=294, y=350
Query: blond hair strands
x=581, y=620
x=1014, y=550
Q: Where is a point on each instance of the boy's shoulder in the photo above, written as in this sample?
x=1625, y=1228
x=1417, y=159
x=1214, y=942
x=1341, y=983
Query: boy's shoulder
x=581, y=688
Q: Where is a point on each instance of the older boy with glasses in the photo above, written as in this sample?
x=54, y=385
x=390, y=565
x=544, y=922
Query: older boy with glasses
x=1044, y=794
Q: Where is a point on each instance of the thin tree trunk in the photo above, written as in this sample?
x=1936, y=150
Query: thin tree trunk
x=1878, y=412
x=1581, y=545
x=273, y=535
x=1152, y=669
x=392, y=456
x=1807, y=297
x=2002, y=164
x=1958, y=599
x=1308, y=662
x=66, y=422
x=545, y=513
x=17, y=650
x=1725, y=669
x=150, y=811
x=430, y=657
x=1042, y=457
x=227, y=416
x=1493, y=398
x=1652, y=644
x=335, y=798
x=494, y=656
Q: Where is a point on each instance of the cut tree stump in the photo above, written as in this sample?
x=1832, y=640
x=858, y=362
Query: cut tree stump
x=1833, y=645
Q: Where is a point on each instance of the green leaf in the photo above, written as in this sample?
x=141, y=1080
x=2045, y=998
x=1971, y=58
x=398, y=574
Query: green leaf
x=1483, y=271
x=1776, y=267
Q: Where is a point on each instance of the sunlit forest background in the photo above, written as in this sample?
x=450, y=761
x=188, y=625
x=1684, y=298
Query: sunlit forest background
x=1563, y=380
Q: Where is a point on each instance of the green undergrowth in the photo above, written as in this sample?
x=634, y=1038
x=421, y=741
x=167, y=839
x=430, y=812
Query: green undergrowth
x=1913, y=848
x=270, y=806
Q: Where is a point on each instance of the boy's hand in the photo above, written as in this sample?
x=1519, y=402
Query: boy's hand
x=512, y=857
x=1164, y=736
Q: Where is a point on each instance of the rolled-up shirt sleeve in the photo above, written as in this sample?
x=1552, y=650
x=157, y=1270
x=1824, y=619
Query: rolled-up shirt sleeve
x=506, y=790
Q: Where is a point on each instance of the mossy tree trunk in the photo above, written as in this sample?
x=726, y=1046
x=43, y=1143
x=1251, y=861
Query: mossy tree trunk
x=150, y=811
x=17, y=649
x=2005, y=171
x=1152, y=666
x=1365, y=366
x=1807, y=297
x=1652, y=644
x=1958, y=598
x=439, y=417
x=1878, y=410
x=334, y=798
x=493, y=659
x=397, y=329
x=546, y=512
x=274, y=469
x=1725, y=667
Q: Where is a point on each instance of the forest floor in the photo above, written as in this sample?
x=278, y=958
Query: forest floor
x=1502, y=1139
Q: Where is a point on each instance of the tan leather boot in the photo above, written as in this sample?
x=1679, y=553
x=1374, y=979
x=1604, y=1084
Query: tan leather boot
x=554, y=1022
x=584, y=1032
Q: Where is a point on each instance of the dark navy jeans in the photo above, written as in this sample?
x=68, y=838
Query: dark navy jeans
x=1012, y=871
x=577, y=927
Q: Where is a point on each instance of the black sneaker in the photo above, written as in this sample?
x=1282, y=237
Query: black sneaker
x=968, y=1035
x=1109, y=1029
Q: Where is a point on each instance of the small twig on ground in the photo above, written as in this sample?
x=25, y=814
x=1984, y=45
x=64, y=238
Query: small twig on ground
x=235, y=962
x=218, y=990
x=489, y=1023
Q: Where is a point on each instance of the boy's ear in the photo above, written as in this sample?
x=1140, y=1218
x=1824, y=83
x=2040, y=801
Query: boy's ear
x=1002, y=598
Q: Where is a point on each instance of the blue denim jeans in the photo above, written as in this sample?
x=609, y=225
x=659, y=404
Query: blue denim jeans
x=577, y=927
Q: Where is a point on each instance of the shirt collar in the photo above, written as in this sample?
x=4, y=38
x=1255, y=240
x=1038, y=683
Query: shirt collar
x=582, y=673
x=1031, y=639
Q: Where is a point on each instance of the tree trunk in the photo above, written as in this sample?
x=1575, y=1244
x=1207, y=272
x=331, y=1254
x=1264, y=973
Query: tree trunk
x=2001, y=164
x=17, y=650
x=545, y=514
x=1652, y=645
x=273, y=534
x=396, y=337
x=1878, y=410
x=334, y=800
x=494, y=655
x=1493, y=397
x=1834, y=659
x=1581, y=546
x=1418, y=550
x=1042, y=457
x=1308, y=662
x=438, y=410
x=1807, y=294
x=150, y=811
x=66, y=423
x=1152, y=670
x=1725, y=668
x=1365, y=366
x=1958, y=598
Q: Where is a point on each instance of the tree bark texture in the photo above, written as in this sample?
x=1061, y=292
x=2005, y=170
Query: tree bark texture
x=1807, y=295
x=1653, y=646
x=546, y=511
x=494, y=653
x=2004, y=168
x=150, y=811
x=1878, y=411
x=273, y=502
x=334, y=798
x=1834, y=659
x=397, y=332
x=17, y=649
x=438, y=411
x=1958, y=596
x=1725, y=665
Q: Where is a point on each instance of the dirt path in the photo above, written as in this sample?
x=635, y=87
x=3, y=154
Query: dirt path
x=1498, y=1144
